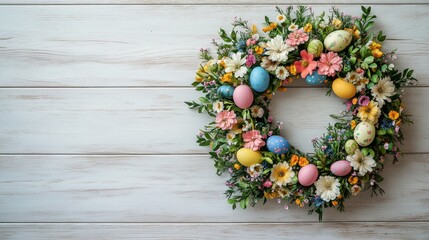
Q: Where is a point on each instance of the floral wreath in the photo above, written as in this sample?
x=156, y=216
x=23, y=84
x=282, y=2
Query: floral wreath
x=336, y=50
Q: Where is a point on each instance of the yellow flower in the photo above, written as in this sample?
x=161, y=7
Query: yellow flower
x=353, y=180
x=237, y=166
x=352, y=124
x=227, y=77
x=291, y=69
x=270, y=27
x=369, y=113
x=377, y=53
x=298, y=201
x=337, y=23
x=259, y=50
x=393, y=115
x=254, y=29
x=294, y=160
x=271, y=195
x=308, y=27
x=334, y=203
x=354, y=31
x=282, y=174
x=200, y=72
x=375, y=45
x=303, y=161
x=199, y=79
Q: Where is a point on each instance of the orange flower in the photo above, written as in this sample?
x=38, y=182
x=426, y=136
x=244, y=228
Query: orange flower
x=270, y=27
x=259, y=50
x=294, y=160
x=377, y=53
x=303, y=161
x=291, y=69
x=375, y=45
x=297, y=201
x=226, y=78
x=308, y=27
x=340, y=196
x=352, y=124
x=393, y=115
x=354, y=101
x=334, y=203
x=237, y=166
x=353, y=180
x=271, y=195
x=282, y=89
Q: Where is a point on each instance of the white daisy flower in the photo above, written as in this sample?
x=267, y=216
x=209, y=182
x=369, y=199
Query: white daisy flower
x=256, y=111
x=230, y=137
x=353, y=77
x=218, y=106
x=235, y=64
x=246, y=126
x=383, y=90
x=278, y=50
x=292, y=27
x=328, y=188
x=282, y=73
x=361, y=163
x=255, y=170
x=281, y=18
x=269, y=65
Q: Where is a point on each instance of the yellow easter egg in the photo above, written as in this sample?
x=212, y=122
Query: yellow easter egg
x=343, y=89
x=248, y=157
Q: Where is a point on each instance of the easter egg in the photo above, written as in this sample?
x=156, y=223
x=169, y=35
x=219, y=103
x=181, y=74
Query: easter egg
x=225, y=91
x=277, y=144
x=343, y=89
x=364, y=134
x=351, y=146
x=341, y=168
x=248, y=157
x=338, y=40
x=315, y=78
x=307, y=175
x=243, y=96
x=259, y=79
x=315, y=47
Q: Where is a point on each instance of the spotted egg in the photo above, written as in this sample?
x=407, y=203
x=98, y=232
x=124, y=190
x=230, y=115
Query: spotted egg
x=364, y=134
x=259, y=79
x=315, y=78
x=338, y=40
x=226, y=91
x=277, y=144
x=315, y=47
x=341, y=168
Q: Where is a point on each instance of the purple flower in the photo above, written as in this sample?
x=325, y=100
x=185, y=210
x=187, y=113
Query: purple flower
x=364, y=101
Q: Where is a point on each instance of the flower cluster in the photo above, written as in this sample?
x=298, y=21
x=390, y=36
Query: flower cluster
x=336, y=50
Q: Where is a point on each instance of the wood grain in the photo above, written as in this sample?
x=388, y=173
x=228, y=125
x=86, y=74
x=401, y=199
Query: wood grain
x=76, y=46
x=156, y=120
x=176, y=189
x=353, y=230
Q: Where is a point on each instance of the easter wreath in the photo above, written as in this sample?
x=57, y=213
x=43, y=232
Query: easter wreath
x=336, y=50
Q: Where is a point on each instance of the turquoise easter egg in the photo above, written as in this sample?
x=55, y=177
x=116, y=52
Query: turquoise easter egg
x=259, y=79
x=315, y=78
x=226, y=91
x=277, y=144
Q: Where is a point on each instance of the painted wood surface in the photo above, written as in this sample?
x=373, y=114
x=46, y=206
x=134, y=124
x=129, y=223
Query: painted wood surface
x=164, y=188
x=132, y=45
x=96, y=143
x=326, y=231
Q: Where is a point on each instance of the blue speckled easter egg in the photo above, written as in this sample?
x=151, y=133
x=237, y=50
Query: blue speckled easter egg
x=226, y=91
x=277, y=144
x=259, y=79
x=315, y=78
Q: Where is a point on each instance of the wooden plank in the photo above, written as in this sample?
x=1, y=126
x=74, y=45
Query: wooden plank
x=156, y=120
x=176, y=189
x=339, y=230
x=130, y=46
x=218, y=2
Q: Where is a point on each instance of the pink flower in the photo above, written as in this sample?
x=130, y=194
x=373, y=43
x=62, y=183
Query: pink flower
x=364, y=101
x=226, y=120
x=268, y=184
x=297, y=37
x=253, y=140
x=329, y=63
x=250, y=60
x=306, y=65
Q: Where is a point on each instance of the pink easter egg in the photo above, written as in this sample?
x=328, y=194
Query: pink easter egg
x=243, y=96
x=308, y=175
x=341, y=168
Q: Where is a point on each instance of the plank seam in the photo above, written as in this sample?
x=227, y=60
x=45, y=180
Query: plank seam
x=209, y=4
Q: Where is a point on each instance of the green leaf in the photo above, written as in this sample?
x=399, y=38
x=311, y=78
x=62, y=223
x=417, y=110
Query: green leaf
x=373, y=65
x=231, y=201
x=369, y=60
x=204, y=100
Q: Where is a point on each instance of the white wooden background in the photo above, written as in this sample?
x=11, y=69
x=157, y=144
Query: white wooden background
x=96, y=143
